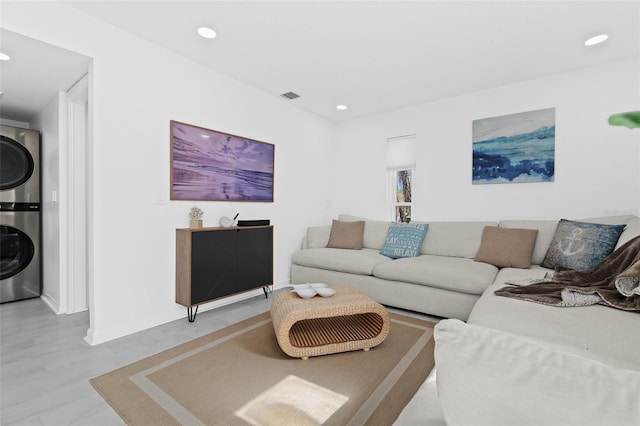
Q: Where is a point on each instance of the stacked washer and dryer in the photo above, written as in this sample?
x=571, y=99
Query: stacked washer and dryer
x=20, y=214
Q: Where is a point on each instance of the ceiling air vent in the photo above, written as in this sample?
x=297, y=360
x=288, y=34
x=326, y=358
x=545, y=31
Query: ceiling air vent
x=290, y=95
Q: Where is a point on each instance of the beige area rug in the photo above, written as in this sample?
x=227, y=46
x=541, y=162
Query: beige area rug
x=240, y=376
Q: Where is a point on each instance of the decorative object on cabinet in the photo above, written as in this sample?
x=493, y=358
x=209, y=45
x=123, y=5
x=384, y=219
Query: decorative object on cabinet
x=255, y=222
x=225, y=222
x=195, y=217
x=216, y=166
x=515, y=148
x=212, y=263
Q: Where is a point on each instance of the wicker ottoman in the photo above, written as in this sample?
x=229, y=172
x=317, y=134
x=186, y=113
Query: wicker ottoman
x=347, y=321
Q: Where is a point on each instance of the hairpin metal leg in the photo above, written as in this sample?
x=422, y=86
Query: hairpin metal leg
x=191, y=314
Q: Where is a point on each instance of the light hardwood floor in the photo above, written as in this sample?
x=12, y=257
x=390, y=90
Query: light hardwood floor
x=45, y=364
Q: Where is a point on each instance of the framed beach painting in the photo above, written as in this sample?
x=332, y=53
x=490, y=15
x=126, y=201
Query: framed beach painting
x=515, y=148
x=210, y=165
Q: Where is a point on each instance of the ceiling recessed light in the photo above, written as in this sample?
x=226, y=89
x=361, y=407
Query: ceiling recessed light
x=207, y=32
x=4, y=57
x=342, y=107
x=596, y=40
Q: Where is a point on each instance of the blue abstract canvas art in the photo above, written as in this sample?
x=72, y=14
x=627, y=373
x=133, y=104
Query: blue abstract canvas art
x=515, y=148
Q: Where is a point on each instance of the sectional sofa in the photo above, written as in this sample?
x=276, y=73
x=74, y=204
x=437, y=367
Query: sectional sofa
x=444, y=280
x=499, y=360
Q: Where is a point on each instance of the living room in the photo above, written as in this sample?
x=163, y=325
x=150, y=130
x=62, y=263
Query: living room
x=323, y=167
x=594, y=160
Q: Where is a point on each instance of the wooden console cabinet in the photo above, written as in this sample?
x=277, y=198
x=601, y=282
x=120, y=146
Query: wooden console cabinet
x=212, y=263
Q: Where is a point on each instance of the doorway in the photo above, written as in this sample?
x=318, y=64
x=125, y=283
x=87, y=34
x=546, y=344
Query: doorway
x=75, y=213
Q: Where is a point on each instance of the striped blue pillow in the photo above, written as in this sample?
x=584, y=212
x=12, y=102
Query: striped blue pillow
x=404, y=239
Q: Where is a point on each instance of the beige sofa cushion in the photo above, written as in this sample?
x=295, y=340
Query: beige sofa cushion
x=458, y=239
x=375, y=231
x=346, y=235
x=504, y=247
x=631, y=231
x=317, y=236
x=603, y=333
x=546, y=230
x=463, y=238
x=608, y=220
x=450, y=273
x=489, y=377
x=351, y=261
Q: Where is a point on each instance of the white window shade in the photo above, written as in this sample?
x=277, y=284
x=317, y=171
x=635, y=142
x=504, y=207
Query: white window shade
x=401, y=152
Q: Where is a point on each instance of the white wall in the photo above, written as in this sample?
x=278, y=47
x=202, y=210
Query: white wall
x=596, y=164
x=135, y=89
x=48, y=123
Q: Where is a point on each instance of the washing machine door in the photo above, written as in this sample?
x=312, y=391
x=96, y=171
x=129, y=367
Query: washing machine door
x=16, y=163
x=16, y=251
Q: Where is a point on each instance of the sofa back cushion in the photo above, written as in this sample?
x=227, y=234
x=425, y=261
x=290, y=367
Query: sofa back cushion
x=458, y=239
x=630, y=232
x=546, y=230
x=375, y=231
x=463, y=238
x=507, y=248
x=607, y=220
x=317, y=237
x=346, y=235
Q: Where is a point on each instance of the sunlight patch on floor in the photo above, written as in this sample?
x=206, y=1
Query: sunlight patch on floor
x=292, y=401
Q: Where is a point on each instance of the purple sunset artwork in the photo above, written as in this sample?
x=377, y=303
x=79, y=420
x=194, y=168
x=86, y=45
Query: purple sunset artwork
x=215, y=166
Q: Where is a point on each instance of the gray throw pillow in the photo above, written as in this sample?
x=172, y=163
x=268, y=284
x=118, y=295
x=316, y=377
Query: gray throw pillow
x=581, y=245
x=346, y=235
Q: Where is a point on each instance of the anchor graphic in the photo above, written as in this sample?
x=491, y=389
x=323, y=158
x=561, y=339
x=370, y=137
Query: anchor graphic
x=568, y=249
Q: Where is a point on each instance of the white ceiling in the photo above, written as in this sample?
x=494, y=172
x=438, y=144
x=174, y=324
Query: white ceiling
x=35, y=74
x=379, y=55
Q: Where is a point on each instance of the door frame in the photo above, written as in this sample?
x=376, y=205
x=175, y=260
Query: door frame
x=74, y=238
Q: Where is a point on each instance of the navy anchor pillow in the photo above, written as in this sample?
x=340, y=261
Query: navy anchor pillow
x=404, y=239
x=581, y=245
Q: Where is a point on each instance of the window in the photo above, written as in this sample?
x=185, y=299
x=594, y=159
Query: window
x=401, y=205
x=400, y=173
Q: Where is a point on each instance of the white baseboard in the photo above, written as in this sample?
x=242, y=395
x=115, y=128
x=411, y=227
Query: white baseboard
x=94, y=337
x=51, y=303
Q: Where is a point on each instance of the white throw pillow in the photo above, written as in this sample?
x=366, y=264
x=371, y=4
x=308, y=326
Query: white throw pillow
x=488, y=377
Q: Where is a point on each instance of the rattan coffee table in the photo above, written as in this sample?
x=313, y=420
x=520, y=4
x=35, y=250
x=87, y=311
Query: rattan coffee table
x=346, y=321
